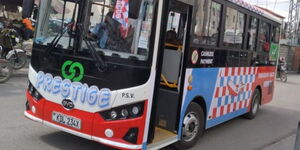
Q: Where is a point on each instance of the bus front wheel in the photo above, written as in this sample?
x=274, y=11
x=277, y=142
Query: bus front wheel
x=193, y=126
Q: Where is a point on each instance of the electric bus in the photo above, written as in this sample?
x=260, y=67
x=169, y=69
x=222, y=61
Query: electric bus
x=145, y=74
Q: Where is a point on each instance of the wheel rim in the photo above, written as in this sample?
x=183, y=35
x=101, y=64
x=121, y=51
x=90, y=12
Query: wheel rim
x=255, y=104
x=18, y=62
x=190, y=127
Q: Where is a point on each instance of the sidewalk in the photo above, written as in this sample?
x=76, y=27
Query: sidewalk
x=290, y=142
x=292, y=72
x=287, y=143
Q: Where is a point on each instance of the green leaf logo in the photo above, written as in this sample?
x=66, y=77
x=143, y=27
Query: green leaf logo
x=71, y=73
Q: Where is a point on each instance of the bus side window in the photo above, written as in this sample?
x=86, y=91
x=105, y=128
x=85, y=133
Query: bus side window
x=208, y=21
x=275, y=34
x=234, y=28
x=253, y=24
x=264, y=37
x=264, y=40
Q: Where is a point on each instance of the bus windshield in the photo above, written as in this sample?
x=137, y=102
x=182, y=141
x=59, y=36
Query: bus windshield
x=120, y=28
x=55, y=18
x=114, y=28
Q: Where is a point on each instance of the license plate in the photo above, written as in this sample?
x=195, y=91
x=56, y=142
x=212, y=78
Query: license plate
x=66, y=120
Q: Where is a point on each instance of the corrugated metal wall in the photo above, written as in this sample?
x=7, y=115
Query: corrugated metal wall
x=291, y=55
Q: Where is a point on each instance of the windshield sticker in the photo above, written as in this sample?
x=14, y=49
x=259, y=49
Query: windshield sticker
x=273, y=54
x=72, y=71
x=75, y=91
x=121, y=14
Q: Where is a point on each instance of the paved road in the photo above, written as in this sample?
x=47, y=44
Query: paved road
x=274, y=127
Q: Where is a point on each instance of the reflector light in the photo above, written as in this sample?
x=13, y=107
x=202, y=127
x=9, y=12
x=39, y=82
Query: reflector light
x=124, y=112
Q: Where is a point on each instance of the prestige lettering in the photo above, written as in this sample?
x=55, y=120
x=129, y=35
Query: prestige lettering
x=75, y=91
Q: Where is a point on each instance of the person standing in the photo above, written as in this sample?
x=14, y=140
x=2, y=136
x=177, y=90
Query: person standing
x=28, y=29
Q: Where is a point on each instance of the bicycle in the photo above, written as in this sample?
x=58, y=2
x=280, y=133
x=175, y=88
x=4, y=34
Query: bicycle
x=17, y=57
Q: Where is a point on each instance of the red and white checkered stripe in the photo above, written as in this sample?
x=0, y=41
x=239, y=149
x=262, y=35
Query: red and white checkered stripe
x=242, y=74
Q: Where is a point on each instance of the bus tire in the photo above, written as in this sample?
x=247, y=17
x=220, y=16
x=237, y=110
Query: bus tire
x=254, y=105
x=192, y=128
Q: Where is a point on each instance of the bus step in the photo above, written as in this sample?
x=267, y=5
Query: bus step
x=162, y=138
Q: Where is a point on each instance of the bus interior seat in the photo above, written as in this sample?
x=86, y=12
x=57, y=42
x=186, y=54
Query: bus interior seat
x=171, y=65
x=171, y=36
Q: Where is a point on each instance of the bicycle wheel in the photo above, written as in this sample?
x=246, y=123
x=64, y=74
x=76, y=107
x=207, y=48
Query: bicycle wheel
x=5, y=71
x=18, y=62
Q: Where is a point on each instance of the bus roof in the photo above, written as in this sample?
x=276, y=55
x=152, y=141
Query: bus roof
x=259, y=10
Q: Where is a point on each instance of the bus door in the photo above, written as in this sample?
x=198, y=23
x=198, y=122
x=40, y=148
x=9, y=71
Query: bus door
x=171, y=63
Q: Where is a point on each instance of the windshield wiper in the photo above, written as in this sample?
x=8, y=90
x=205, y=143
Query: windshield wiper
x=100, y=64
x=56, y=39
x=67, y=28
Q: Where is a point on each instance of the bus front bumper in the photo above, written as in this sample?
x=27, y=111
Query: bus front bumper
x=93, y=125
x=86, y=136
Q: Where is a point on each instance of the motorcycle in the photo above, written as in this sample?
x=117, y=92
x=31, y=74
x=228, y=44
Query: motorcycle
x=17, y=57
x=5, y=70
x=282, y=72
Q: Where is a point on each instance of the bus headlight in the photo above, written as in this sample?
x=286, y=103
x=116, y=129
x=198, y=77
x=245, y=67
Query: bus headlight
x=34, y=93
x=30, y=90
x=113, y=115
x=124, y=112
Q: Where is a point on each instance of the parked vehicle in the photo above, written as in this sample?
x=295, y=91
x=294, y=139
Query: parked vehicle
x=9, y=39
